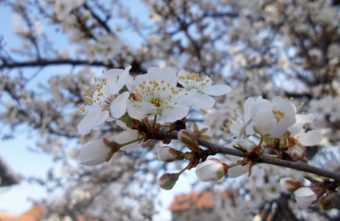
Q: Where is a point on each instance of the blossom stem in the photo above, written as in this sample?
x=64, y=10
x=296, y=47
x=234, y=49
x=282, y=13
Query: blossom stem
x=129, y=142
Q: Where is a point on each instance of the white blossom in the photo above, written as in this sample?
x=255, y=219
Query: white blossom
x=198, y=90
x=211, y=170
x=154, y=94
x=94, y=152
x=106, y=103
x=304, y=197
x=273, y=117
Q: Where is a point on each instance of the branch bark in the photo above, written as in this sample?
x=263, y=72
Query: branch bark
x=297, y=165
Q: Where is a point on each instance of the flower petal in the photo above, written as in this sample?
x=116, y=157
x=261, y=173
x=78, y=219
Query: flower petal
x=304, y=197
x=201, y=101
x=127, y=136
x=139, y=110
x=93, y=119
x=174, y=113
x=93, y=153
x=238, y=171
x=311, y=138
x=124, y=78
x=217, y=90
x=119, y=105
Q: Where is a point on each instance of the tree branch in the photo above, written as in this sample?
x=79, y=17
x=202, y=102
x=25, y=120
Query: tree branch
x=48, y=62
x=297, y=165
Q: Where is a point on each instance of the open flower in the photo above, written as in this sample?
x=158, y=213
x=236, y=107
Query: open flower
x=273, y=117
x=243, y=125
x=96, y=152
x=106, y=102
x=198, y=90
x=155, y=94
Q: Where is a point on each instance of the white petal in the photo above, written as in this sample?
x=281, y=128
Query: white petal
x=139, y=110
x=304, y=197
x=119, y=105
x=311, y=138
x=111, y=77
x=174, y=113
x=93, y=153
x=202, y=101
x=124, y=77
x=127, y=136
x=264, y=120
x=296, y=128
x=210, y=170
x=247, y=109
x=238, y=171
x=93, y=119
x=217, y=90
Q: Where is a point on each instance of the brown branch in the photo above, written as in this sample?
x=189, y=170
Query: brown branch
x=297, y=165
x=48, y=62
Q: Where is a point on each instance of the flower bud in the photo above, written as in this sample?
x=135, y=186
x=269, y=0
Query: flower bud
x=168, y=180
x=185, y=137
x=289, y=185
x=211, y=170
x=296, y=152
x=304, y=197
x=96, y=152
x=169, y=154
x=246, y=145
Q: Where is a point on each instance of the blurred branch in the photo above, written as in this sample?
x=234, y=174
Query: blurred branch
x=7, y=177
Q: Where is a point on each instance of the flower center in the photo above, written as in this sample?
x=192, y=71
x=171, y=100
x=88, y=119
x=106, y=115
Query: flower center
x=156, y=101
x=278, y=115
x=107, y=102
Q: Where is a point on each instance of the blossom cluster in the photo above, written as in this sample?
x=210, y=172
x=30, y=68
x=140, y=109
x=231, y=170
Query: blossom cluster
x=158, y=102
x=163, y=95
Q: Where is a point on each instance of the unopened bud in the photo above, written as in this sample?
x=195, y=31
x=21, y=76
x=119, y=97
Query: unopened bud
x=211, y=170
x=169, y=154
x=168, y=180
x=289, y=185
x=245, y=145
x=97, y=152
x=185, y=137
